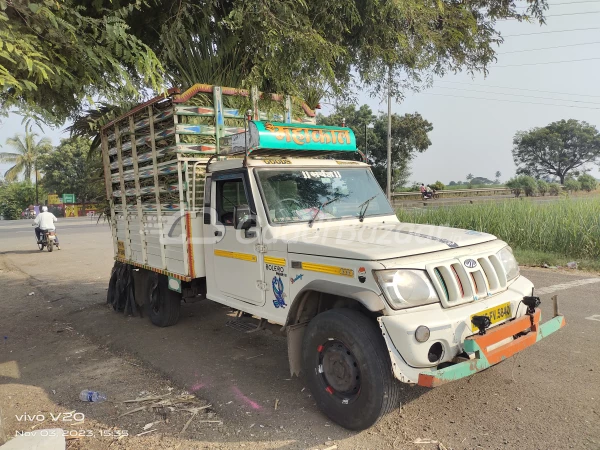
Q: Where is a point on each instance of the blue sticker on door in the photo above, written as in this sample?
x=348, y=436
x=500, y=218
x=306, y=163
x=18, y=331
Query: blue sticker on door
x=279, y=301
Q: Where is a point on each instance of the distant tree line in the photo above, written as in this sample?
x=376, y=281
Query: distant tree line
x=68, y=168
x=410, y=136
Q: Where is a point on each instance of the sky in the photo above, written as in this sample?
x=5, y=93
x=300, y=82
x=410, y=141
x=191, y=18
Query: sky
x=476, y=118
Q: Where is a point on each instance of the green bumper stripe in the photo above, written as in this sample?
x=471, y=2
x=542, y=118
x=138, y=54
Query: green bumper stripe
x=550, y=327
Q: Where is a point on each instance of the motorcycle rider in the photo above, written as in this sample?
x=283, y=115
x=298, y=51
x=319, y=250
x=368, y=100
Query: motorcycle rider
x=45, y=221
x=426, y=192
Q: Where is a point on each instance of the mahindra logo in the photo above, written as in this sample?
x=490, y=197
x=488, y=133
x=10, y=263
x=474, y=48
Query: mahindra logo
x=470, y=263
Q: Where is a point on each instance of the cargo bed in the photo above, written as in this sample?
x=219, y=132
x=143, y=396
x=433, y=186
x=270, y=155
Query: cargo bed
x=155, y=159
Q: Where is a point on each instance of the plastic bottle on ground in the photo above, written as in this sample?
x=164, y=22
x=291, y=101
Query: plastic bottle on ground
x=91, y=396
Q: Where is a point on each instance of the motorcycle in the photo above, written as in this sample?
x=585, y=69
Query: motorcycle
x=47, y=238
x=428, y=195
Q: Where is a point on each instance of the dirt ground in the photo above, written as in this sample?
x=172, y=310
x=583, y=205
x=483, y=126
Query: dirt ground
x=63, y=339
x=46, y=363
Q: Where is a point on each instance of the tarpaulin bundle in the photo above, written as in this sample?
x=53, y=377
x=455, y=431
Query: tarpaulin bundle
x=153, y=292
x=121, y=293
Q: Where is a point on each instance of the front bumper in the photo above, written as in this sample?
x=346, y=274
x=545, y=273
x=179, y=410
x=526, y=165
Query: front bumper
x=528, y=328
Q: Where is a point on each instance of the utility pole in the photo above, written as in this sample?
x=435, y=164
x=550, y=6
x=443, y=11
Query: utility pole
x=389, y=141
x=37, y=200
x=366, y=146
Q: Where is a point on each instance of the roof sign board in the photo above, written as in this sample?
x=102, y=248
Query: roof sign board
x=276, y=138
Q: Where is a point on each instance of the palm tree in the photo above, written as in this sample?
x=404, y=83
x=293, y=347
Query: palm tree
x=26, y=154
x=469, y=177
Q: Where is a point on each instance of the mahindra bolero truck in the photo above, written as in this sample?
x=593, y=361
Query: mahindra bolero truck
x=264, y=211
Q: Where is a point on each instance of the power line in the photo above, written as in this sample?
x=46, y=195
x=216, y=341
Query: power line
x=558, y=15
x=509, y=101
x=517, y=89
x=547, y=62
x=549, y=32
x=567, y=3
x=520, y=95
x=572, y=14
x=548, y=48
x=571, y=3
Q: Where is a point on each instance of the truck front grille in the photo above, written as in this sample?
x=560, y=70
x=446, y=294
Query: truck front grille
x=457, y=284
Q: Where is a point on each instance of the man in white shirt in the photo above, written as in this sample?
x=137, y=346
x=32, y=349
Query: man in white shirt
x=45, y=221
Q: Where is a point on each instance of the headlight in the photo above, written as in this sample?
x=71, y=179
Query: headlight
x=406, y=288
x=509, y=263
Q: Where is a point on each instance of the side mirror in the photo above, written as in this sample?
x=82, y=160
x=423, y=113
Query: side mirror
x=243, y=219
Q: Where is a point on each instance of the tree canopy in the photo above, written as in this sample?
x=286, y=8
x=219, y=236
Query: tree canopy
x=27, y=150
x=55, y=54
x=68, y=169
x=409, y=137
x=559, y=148
x=15, y=197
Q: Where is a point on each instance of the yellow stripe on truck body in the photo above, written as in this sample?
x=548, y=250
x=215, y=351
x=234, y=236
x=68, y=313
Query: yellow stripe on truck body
x=236, y=255
x=275, y=261
x=331, y=270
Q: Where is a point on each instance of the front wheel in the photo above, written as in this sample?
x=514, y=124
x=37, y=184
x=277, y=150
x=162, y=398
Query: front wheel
x=348, y=368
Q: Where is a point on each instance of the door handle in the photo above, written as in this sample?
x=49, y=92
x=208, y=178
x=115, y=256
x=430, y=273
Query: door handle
x=218, y=233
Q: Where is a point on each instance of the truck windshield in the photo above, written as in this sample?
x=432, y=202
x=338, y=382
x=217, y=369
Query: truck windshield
x=298, y=195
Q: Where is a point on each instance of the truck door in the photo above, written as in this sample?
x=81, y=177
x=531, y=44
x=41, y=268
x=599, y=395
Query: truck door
x=237, y=264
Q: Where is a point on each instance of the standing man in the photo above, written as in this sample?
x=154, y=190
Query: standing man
x=45, y=221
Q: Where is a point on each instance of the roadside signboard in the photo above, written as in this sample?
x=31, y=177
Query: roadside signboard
x=53, y=199
x=68, y=198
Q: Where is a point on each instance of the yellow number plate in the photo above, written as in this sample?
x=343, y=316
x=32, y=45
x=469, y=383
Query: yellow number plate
x=496, y=314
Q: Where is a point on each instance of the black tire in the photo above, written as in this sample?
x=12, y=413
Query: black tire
x=112, y=287
x=50, y=245
x=163, y=305
x=348, y=370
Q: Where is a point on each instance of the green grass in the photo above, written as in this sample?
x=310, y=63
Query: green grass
x=541, y=259
x=567, y=228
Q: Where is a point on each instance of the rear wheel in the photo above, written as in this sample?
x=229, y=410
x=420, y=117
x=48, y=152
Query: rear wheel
x=163, y=304
x=112, y=287
x=50, y=245
x=348, y=368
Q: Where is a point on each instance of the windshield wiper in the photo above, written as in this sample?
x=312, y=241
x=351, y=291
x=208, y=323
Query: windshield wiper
x=321, y=206
x=361, y=214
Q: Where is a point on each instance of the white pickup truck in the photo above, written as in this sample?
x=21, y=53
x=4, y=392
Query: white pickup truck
x=259, y=215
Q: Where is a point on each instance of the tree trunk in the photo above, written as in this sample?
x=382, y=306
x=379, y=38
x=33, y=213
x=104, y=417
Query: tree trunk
x=562, y=178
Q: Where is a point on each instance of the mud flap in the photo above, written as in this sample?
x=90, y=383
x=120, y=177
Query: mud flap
x=295, y=334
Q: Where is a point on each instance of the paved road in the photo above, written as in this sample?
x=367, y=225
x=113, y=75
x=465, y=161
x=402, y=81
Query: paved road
x=546, y=398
